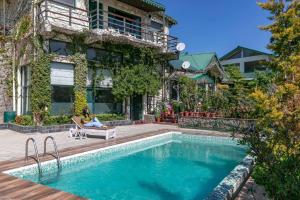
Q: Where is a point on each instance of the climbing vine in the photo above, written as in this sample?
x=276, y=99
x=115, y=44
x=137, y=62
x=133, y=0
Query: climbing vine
x=40, y=90
x=80, y=79
x=137, y=74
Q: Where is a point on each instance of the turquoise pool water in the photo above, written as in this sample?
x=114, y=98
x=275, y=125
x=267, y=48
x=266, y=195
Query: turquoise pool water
x=167, y=169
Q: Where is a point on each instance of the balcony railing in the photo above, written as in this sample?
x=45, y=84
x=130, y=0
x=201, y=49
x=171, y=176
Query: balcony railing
x=101, y=22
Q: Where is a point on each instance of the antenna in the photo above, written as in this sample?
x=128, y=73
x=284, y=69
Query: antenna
x=186, y=65
x=180, y=46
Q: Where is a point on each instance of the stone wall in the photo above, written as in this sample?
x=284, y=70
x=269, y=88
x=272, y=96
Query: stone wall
x=55, y=128
x=149, y=118
x=6, y=102
x=224, y=124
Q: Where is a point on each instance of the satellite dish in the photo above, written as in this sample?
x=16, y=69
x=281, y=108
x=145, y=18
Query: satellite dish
x=186, y=65
x=180, y=46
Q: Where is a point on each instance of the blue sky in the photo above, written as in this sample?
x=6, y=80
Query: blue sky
x=218, y=26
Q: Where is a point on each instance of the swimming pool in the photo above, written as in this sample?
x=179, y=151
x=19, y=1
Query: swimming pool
x=167, y=166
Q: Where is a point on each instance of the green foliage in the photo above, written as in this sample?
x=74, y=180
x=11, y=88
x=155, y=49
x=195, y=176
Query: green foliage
x=58, y=120
x=136, y=74
x=23, y=27
x=24, y=120
x=110, y=117
x=80, y=102
x=281, y=180
x=275, y=142
x=40, y=90
x=137, y=79
x=177, y=106
x=78, y=44
x=80, y=78
x=188, y=93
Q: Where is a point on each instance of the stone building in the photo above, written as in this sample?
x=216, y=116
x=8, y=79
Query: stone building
x=136, y=22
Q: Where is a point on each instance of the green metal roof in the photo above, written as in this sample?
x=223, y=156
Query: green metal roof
x=147, y=5
x=239, y=48
x=199, y=62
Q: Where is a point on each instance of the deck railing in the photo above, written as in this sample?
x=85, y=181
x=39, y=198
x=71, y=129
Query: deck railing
x=67, y=16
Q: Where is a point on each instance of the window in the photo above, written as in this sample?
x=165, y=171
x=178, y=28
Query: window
x=104, y=96
x=62, y=100
x=102, y=55
x=254, y=65
x=104, y=102
x=25, y=83
x=62, y=74
x=67, y=2
x=157, y=26
x=124, y=22
x=62, y=94
x=93, y=15
x=59, y=47
x=97, y=54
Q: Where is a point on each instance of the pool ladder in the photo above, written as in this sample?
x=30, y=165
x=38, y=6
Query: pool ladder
x=36, y=156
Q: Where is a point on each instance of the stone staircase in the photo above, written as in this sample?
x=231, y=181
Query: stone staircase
x=6, y=102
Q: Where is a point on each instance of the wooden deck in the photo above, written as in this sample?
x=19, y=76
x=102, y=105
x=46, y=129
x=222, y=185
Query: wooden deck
x=12, y=188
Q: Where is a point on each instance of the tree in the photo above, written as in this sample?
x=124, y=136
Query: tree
x=188, y=92
x=275, y=141
x=236, y=94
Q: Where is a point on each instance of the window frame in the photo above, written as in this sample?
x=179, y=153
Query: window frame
x=67, y=4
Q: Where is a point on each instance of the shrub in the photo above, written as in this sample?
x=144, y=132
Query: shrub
x=24, y=120
x=57, y=120
x=110, y=117
x=80, y=102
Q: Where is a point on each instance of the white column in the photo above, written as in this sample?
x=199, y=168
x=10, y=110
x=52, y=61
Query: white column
x=242, y=67
x=18, y=97
x=105, y=4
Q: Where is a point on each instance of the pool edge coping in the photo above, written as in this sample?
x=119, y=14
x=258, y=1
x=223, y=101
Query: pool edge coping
x=231, y=185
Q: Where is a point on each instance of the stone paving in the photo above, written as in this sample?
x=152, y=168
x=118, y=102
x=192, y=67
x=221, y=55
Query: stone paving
x=12, y=144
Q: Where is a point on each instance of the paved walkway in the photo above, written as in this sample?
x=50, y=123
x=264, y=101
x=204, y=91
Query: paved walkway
x=12, y=144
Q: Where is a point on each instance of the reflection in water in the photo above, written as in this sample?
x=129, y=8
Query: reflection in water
x=159, y=190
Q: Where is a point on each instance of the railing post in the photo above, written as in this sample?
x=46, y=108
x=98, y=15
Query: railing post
x=70, y=17
x=98, y=17
x=124, y=25
x=46, y=10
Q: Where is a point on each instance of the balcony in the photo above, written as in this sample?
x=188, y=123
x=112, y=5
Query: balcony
x=103, y=25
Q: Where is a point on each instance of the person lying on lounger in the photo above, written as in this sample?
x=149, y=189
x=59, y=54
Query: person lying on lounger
x=93, y=123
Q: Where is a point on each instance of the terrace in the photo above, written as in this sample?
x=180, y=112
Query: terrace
x=103, y=25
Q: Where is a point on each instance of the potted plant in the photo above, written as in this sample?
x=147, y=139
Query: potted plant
x=185, y=113
x=157, y=115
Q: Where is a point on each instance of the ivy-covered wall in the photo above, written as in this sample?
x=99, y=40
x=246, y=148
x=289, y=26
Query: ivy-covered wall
x=40, y=89
x=80, y=79
x=6, y=81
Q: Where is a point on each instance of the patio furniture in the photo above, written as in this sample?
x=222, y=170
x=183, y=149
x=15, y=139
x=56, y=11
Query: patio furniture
x=106, y=131
x=75, y=133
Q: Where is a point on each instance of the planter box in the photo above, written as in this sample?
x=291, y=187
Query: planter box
x=149, y=119
x=55, y=128
x=215, y=123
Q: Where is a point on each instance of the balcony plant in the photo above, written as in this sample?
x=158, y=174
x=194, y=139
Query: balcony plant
x=157, y=115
